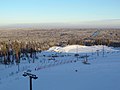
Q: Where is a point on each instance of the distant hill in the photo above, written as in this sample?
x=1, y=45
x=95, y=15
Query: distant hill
x=112, y=23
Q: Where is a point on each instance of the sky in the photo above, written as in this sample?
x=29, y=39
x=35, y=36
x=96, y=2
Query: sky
x=57, y=11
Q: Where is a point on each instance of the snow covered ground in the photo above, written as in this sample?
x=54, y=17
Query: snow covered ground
x=59, y=69
x=80, y=49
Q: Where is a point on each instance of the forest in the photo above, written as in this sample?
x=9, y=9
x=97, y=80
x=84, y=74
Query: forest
x=15, y=44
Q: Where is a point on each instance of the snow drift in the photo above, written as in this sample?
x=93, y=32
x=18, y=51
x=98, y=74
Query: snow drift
x=80, y=49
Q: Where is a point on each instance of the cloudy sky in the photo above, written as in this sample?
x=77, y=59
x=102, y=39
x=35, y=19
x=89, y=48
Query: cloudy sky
x=57, y=11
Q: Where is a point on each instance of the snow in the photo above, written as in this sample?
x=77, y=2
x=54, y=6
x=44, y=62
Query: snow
x=59, y=73
x=80, y=48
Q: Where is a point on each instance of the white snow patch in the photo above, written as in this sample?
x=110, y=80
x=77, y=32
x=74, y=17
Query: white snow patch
x=80, y=49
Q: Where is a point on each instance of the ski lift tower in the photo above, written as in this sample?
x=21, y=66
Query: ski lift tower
x=103, y=47
x=77, y=55
x=31, y=76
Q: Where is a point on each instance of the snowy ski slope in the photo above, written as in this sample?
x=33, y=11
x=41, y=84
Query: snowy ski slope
x=56, y=70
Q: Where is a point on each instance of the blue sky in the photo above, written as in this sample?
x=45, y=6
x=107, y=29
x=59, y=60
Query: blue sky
x=57, y=11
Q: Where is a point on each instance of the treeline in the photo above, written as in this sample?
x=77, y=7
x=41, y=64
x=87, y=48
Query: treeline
x=87, y=42
x=11, y=52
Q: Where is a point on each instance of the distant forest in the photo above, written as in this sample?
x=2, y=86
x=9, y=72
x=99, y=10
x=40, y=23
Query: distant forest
x=47, y=38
